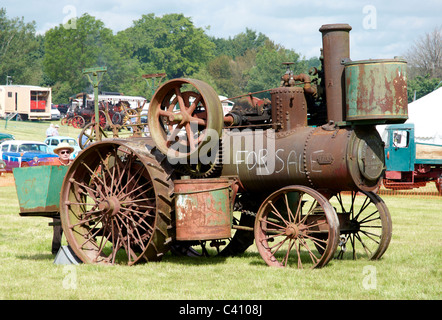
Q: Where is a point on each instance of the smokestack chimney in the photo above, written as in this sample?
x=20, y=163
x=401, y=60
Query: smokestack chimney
x=336, y=46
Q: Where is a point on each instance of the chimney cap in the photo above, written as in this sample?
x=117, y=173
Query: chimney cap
x=335, y=27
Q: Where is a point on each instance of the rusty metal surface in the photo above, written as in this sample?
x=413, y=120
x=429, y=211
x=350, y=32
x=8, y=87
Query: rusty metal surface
x=323, y=158
x=179, y=124
x=376, y=90
x=289, y=103
x=203, y=209
x=270, y=149
x=289, y=107
x=336, y=47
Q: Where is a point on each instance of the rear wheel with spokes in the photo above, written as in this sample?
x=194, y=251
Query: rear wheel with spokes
x=115, y=205
x=290, y=225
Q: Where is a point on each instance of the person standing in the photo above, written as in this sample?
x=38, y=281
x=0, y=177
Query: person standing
x=50, y=130
x=55, y=132
x=63, y=150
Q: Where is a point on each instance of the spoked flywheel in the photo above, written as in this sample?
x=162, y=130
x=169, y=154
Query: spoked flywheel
x=296, y=226
x=184, y=116
x=366, y=225
x=115, y=204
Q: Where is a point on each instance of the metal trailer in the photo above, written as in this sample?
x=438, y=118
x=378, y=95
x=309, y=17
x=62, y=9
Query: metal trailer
x=25, y=102
x=295, y=174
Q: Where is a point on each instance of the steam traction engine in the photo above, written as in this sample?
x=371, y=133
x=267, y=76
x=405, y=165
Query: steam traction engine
x=296, y=174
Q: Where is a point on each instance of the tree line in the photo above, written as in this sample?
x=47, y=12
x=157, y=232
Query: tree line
x=171, y=44
x=425, y=64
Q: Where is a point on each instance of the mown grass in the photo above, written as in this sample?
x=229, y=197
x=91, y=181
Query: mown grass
x=410, y=269
x=35, y=130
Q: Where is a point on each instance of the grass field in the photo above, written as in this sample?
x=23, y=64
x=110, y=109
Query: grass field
x=35, y=130
x=410, y=268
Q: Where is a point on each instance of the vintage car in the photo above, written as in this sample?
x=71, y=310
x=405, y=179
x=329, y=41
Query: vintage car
x=6, y=136
x=54, y=141
x=55, y=114
x=24, y=153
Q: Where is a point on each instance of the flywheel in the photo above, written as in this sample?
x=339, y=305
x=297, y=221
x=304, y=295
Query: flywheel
x=185, y=117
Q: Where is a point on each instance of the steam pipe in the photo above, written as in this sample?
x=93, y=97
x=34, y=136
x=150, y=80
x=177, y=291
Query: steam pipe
x=307, y=83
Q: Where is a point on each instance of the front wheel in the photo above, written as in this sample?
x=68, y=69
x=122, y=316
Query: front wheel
x=366, y=226
x=291, y=224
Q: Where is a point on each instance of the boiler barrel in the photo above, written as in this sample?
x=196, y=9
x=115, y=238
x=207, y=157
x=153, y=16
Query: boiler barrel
x=322, y=158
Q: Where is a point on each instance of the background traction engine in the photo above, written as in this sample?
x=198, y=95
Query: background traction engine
x=296, y=174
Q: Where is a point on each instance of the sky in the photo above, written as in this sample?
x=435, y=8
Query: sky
x=381, y=29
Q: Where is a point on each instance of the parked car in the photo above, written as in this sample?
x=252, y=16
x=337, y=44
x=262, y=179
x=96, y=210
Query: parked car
x=55, y=114
x=25, y=153
x=53, y=142
x=6, y=136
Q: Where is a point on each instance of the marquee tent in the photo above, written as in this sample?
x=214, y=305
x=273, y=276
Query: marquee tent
x=426, y=114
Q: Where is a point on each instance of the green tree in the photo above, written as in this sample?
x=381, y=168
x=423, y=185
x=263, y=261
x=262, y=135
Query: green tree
x=421, y=86
x=19, y=51
x=69, y=50
x=269, y=67
x=169, y=44
x=231, y=75
x=88, y=44
x=219, y=69
x=239, y=44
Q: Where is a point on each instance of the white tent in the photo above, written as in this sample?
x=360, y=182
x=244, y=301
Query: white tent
x=426, y=114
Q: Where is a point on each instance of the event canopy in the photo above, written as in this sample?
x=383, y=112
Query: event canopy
x=426, y=114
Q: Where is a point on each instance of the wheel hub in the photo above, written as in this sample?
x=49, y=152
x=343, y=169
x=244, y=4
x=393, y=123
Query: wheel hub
x=110, y=206
x=292, y=231
x=355, y=226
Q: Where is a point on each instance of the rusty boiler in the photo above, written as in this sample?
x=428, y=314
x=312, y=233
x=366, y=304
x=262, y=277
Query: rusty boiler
x=330, y=157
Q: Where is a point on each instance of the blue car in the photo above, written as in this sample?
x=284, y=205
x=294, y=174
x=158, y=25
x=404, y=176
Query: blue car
x=54, y=141
x=20, y=153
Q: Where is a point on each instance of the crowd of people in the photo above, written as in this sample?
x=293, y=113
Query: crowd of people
x=52, y=130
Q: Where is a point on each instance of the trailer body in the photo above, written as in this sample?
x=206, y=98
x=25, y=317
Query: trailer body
x=27, y=102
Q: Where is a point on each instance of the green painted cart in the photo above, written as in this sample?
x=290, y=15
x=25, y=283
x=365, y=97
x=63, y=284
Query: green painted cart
x=38, y=190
